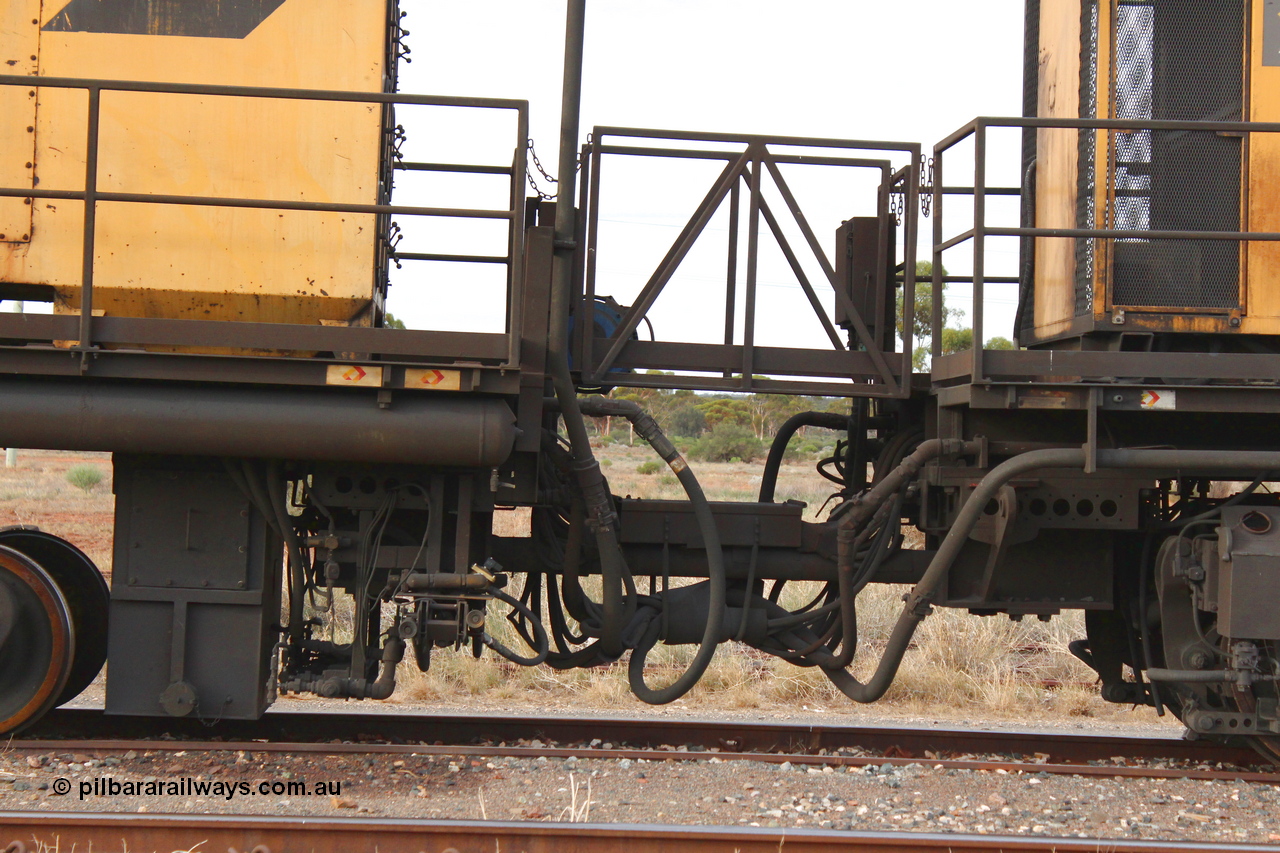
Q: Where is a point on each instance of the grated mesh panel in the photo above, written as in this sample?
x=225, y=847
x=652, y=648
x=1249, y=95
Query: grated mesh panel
x=1176, y=60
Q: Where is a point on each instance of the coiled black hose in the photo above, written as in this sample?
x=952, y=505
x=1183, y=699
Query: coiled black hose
x=647, y=428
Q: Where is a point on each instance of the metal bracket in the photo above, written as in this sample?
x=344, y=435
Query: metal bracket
x=1001, y=540
x=1091, y=431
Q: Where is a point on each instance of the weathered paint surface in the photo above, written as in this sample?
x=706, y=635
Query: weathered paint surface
x=19, y=49
x=1056, y=165
x=1262, y=205
x=210, y=262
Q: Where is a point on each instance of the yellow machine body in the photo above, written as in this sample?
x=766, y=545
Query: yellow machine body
x=1094, y=57
x=179, y=261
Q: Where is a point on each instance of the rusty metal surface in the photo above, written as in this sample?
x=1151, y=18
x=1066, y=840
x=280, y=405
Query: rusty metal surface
x=1110, y=771
x=143, y=832
x=723, y=735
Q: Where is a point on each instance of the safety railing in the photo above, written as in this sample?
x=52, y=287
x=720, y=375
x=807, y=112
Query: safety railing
x=980, y=365
x=864, y=364
x=91, y=332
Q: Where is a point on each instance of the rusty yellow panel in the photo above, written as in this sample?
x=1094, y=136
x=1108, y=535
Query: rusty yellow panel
x=19, y=49
x=1057, y=163
x=215, y=263
x=1262, y=205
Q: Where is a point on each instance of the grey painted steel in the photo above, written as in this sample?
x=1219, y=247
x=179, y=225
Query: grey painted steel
x=343, y=425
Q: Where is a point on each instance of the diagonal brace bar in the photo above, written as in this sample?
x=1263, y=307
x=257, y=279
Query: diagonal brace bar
x=692, y=230
x=842, y=298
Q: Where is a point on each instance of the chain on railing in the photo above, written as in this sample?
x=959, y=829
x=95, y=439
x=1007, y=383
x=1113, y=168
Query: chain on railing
x=546, y=176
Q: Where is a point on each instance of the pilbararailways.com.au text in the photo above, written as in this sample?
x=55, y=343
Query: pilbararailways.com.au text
x=189, y=787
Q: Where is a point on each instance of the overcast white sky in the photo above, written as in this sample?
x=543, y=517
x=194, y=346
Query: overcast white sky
x=913, y=70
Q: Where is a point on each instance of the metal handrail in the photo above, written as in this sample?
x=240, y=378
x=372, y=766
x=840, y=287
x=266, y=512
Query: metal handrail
x=91, y=195
x=750, y=159
x=977, y=128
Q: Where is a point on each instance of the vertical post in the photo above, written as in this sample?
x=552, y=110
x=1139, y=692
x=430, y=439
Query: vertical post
x=591, y=164
x=583, y=332
x=731, y=279
x=1030, y=138
x=11, y=453
x=515, y=240
x=935, y=346
x=979, y=242
x=562, y=261
x=911, y=235
x=90, y=220
x=753, y=252
x=570, y=106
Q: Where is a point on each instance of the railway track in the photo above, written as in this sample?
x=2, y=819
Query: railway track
x=28, y=833
x=81, y=728
x=665, y=740
x=542, y=748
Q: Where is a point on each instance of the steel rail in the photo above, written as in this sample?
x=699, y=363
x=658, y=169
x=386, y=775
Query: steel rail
x=102, y=748
x=25, y=832
x=55, y=729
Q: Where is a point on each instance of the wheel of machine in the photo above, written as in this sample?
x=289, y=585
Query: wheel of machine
x=36, y=641
x=1191, y=641
x=85, y=592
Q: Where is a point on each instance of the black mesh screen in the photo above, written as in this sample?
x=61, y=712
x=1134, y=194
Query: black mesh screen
x=1176, y=60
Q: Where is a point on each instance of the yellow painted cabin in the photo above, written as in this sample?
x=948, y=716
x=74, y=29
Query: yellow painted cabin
x=1178, y=60
x=184, y=261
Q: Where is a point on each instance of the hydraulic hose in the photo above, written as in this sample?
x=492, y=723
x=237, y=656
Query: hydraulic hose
x=917, y=604
x=293, y=548
x=777, y=450
x=865, y=506
x=264, y=500
x=541, y=646
x=647, y=428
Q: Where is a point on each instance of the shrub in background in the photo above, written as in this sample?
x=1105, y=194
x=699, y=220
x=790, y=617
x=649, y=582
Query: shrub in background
x=650, y=467
x=84, y=477
x=725, y=442
x=687, y=420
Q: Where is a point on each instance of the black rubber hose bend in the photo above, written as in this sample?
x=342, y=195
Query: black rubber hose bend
x=649, y=430
x=917, y=606
x=917, y=601
x=865, y=506
x=541, y=645
x=777, y=450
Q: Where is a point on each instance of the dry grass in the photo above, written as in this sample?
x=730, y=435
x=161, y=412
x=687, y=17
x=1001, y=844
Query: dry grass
x=988, y=667
x=36, y=491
